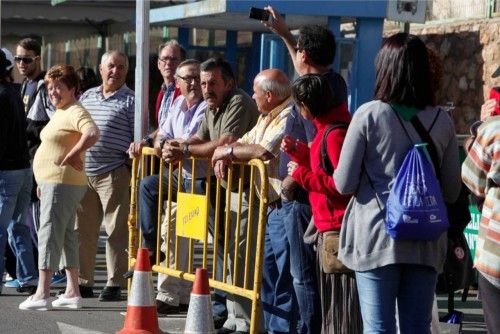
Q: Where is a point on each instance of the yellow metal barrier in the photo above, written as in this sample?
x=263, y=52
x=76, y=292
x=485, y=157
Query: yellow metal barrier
x=242, y=253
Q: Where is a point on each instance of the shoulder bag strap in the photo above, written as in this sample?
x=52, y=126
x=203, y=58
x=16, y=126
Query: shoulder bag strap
x=426, y=137
x=325, y=162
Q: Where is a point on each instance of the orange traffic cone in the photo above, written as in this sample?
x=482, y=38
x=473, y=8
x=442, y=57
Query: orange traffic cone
x=141, y=317
x=199, y=318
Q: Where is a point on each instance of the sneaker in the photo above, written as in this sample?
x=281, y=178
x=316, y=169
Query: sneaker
x=58, y=278
x=30, y=289
x=13, y=283
x=74, y=302
x=110, y=294
x=35, y=305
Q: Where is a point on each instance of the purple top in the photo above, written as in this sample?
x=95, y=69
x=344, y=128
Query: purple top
x=182, y=122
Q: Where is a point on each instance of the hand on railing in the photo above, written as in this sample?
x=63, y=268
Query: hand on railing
x=172, y=152
x=135, y=149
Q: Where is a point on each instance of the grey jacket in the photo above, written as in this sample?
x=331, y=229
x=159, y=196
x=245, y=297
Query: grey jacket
x=377, y=144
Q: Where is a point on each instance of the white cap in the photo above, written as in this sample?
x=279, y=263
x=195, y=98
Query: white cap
x=9, y=57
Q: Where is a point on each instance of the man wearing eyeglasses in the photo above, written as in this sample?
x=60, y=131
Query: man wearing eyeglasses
x=183, y=119
x=170, y=55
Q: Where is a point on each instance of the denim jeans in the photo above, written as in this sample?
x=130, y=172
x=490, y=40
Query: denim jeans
x=277, y=293
x=148, y=208
x=411, y=286
x=15, y=195
x=148, y=203
x=302, y=265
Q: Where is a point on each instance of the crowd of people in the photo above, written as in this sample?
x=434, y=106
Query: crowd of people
x=329, y=264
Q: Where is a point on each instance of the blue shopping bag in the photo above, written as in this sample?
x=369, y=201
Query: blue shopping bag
x=415, y=207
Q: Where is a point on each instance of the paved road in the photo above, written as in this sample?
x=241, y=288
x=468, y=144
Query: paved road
x=107, y=317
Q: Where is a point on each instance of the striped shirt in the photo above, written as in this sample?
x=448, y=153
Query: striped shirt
x=481, y=174
x=114, y=117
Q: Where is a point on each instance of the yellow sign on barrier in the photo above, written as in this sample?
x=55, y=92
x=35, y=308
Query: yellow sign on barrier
x=192, y=213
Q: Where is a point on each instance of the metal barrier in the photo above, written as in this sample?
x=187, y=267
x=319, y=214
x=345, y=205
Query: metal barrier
x=241, y=253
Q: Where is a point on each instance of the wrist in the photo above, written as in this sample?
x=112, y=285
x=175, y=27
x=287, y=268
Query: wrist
x=229, y=152
x=148, y=141
x=185, y=150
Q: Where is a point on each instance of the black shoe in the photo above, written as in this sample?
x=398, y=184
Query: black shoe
x=110, y=294
x=152, y=260
x=164, y=308
x=183, y=307
x=129, y=274
x=85, y=291
x=30, y=289
x=219, y=321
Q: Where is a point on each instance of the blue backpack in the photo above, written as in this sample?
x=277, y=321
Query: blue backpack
x=415, y=209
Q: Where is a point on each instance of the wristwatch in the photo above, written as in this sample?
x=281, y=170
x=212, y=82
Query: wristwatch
x=185, y=150
x=148, y=140
x=229, y=152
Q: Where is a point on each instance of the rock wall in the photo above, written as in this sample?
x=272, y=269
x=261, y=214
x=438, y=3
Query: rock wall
x=470, y=51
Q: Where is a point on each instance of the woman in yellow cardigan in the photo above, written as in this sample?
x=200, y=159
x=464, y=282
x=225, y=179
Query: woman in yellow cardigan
x=59, y=171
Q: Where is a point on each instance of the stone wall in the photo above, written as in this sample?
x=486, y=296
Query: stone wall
x=471, y=53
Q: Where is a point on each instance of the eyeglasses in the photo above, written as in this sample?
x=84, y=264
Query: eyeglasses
x=26, y=60
x=167, y=58
x=189, y=79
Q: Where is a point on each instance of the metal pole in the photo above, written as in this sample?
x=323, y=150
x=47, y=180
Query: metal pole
x=0, y=22
x=141, y=69
x=407, y=27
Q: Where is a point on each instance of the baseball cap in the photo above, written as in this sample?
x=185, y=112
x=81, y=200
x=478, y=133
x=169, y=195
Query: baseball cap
x=9, y=57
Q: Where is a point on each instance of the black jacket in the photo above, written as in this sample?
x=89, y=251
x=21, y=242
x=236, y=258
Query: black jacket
x=13, y=144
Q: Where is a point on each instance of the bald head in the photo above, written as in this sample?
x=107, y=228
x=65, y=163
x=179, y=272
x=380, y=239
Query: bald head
x=271, y=87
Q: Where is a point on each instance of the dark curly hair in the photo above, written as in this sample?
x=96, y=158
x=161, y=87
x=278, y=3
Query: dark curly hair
x=319, y=44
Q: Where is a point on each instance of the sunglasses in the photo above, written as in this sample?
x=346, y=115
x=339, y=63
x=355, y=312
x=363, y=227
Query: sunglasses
x=26, y=60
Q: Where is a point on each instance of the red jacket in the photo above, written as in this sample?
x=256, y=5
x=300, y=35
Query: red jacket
x=159, y=97
x=328, y=206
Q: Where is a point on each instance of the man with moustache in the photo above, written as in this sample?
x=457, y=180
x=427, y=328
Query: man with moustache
x=230, y=113
x=183, y=120
x=111, y=105
x=170, y=55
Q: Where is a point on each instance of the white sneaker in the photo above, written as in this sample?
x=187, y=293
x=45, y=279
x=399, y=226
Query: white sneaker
x=74, y=302
x=35, y=305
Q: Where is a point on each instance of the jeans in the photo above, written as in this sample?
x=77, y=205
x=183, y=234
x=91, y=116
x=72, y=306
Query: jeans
x=148, y=204
x=277, y=295
x=15, y=195
x=302, y=265
x=411, y=286
x=148, y=207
